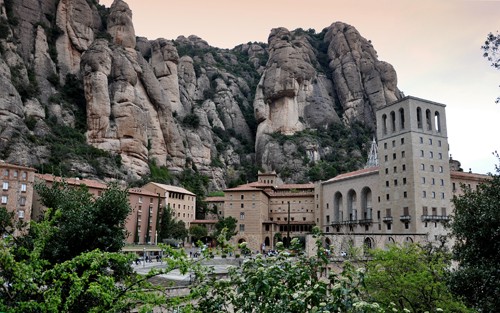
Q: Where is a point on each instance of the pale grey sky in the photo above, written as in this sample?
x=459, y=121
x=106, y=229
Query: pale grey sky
x=433, y=45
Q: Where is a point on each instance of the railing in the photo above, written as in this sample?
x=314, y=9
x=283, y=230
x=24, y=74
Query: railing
x=405, y=217
x=366, y=221
x=426, y=218
x=387, y=219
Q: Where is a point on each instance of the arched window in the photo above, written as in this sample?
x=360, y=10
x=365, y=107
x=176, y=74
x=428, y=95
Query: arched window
x=393, y=121
x=366, y=203
x=384, y=124
x=402, y=118
x=428, y=119
x=437, y=122
x=338, y=207
x=368, y=244
x=351, y=205
x=419, y=117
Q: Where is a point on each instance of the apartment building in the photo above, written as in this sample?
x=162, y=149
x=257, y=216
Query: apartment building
x=17, y=189
x=181, y=201
x=406, y=195
x=269, y=211
x=141, y=221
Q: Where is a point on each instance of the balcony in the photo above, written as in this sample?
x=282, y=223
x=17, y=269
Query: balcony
x=351, y=222
x=387, y=219
x=435, y=218
x=337, y=223
x=366, y=221
x=405, y=218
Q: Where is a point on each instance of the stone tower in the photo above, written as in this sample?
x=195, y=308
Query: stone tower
x=414, y=172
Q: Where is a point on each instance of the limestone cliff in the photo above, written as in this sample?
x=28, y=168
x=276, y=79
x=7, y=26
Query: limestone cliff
x=81, y=94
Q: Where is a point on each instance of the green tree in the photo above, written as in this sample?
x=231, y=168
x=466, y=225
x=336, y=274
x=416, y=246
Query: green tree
x=490, y=48
x=6, y=222
x=476, y=227
x=227, y=223
x=90, y=281
x=411, y=277
x=170, y=227
x=284, y=284
x=81, y=222
x=198, y=232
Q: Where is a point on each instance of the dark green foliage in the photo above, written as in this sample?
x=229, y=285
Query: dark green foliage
x=228, y=223
x=198, y=232
x=476, y=227
x=6, y=221
x=26, y=91
x=191, y=120
x=197, y=183
x=411, y=277
x=170, y=227
x=82, y=222
x=10, y=13
x=4, y=28
x=348, y=146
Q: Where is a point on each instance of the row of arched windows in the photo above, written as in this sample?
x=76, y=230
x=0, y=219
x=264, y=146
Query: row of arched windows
x=432, y=121
x=351, y=205
x=393, y=124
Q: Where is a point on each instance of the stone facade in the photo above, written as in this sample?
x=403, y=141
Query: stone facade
x=17, y=189
x=142, y=219
x=181, y=201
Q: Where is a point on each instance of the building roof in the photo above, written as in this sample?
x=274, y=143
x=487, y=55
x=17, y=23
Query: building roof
x=171, y=188
x=358, y=173
x=144, y=192
x=20, y=167
x=295, y=186
x=243, y=188
x=469, y=176
x=72, y=181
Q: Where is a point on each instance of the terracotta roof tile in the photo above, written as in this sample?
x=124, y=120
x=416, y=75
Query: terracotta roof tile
x=361, y=172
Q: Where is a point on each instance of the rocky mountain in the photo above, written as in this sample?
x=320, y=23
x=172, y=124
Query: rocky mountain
x=81, y=94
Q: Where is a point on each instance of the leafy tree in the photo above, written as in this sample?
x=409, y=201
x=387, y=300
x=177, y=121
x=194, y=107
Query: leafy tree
x=198, y=232
x=284, y=284
x=412, y=278
x=476, y=227
x=6, y=221
x=169, y=227
x=90, y=281
x=227, y=223
x=81, y=222
x=490, y=48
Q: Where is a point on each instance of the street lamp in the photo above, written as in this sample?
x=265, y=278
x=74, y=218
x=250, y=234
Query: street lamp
x=144, y=257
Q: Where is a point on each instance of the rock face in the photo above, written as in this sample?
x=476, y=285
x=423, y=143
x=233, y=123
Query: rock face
x=312, y=81
x=179, y=103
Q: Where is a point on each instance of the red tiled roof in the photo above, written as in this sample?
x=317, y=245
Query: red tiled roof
x=72, y=181
x=243, y=188
x=468, y=176
x=296, y=186
x=144, y=192
x=362, y=172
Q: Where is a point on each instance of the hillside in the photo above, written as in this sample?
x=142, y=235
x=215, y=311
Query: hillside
x=82, y=95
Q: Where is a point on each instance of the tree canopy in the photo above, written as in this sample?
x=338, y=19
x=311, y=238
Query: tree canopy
x=228, y=223
x=411, y=277
x=476, y=227
x=81, y=222
x=490, y=51
x=170, y=227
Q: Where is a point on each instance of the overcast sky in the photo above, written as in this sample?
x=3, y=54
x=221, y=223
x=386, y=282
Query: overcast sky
x=433, y=45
